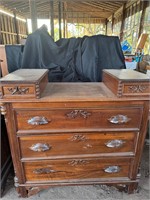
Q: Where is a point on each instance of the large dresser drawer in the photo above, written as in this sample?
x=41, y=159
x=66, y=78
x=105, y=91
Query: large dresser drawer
x=66, y=169
x=74, y=119
x=78, y=143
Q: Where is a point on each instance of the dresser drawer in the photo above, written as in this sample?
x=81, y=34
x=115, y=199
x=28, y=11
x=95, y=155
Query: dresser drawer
x=73, y=119
x=75, y=144
x=54, y=170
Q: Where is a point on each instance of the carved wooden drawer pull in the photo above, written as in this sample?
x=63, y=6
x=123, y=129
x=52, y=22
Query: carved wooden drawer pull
x=78, y=138
x=114, y=143
x=119, y=119
x=78, y=113
x=37, y=120
x=44, y=171
x=18, y=90
x=78, y=162
x=40, y=147
x=112, y=169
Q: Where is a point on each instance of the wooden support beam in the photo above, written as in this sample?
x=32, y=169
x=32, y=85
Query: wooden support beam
x=106, y=24
x=16, y=29
x=52, y=18
x=123, y=22
x=64, y=21
x=144, y=6
x=59, y=18
x=112, y=23
x=27, y=31
x=33, y=13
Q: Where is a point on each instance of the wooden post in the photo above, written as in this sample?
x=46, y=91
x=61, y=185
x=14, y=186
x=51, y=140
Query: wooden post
x=144, y=6
x=64, y=21
x=27, y=30
x=33, y=13
x=52, y=18
x=59, y=18
x=123, y=22
x=112, y=24
x=16, y=29
x=66, y=27
x=106, y=23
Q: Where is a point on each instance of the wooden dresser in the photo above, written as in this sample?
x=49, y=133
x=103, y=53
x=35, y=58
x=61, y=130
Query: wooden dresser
x=74, y=133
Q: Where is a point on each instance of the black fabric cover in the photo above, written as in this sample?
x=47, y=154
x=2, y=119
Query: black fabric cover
x=14, y=56
x=73, y=59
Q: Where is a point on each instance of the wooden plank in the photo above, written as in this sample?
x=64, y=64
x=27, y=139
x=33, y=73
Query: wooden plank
x=141, y=41
x=144, y=6
x=4, y=66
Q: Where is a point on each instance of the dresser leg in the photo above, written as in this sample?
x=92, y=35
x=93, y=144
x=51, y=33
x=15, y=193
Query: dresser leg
x=22, y=191
x=132, y=188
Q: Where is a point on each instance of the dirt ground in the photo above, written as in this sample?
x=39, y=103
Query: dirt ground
x=92, y=192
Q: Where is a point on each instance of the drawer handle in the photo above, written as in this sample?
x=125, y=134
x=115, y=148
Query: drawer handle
x=39, y=147
x=112, y=169
x=115, y=143
x=44, y=171
x=37, y=120
x=78, y=113
x=119, y=119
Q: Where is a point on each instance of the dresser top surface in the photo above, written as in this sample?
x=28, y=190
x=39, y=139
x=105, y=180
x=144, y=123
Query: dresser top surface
x=76, y=91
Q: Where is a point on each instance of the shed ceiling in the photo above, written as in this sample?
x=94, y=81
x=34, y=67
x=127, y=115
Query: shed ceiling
x=77, y=9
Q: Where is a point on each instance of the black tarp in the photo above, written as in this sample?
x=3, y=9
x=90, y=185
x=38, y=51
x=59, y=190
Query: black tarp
x=14, y=56
x=73, y=59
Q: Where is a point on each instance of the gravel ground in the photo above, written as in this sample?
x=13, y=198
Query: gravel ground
x=92, y=192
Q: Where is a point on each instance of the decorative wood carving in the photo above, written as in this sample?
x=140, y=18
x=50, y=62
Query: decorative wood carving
x=112, y=169
x=119, y=119
x=40, y=147
x=3, y=108
x=16, y=182
x=78, y=113
x=137, y=88
x=38, y=120
x=78, y=138
x=44, y=171
x=37, y=90
x=18, y=90
x=78, y=162
x=115, y=143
